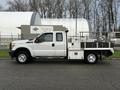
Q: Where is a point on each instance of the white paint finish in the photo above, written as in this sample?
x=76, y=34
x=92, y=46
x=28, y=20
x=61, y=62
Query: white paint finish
x=44, y=49
x=76, y=45
x=29, y=46
x=75, y=54
x=111, y=49
x=60, y=47
x=20, y=41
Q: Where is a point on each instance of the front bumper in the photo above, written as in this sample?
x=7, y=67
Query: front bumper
x=12, y=54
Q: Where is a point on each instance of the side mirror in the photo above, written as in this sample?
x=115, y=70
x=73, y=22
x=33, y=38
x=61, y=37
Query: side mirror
x=37, y=40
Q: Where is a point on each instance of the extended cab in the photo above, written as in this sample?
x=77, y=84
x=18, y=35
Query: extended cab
x=57, y=44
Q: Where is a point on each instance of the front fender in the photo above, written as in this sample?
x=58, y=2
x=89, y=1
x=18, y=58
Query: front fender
x=23, y=46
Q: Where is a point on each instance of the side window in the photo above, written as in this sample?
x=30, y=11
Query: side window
x=47, y=37
x=59, y=37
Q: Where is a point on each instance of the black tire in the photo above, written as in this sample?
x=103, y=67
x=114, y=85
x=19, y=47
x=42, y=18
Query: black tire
x=91, y=58
x=22, y=57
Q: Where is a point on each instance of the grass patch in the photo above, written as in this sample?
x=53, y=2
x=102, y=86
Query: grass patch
x=116, y=54
x=4, y=53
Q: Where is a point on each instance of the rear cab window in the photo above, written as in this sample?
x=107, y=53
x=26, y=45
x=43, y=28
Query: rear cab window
x=59, y=37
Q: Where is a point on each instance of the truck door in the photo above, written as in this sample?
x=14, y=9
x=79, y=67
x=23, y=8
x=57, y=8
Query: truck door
x=44, y=45
x=60, y=44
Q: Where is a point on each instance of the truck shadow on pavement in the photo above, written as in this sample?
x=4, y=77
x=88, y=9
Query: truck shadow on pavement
x=63, y=62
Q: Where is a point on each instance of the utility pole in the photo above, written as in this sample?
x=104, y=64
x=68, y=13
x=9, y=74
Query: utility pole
x=95, y=16
x=76, y=11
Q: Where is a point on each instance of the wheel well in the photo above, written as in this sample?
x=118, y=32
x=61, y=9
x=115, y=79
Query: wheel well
x=92, y=51
x=107, y=53
x=22, y=49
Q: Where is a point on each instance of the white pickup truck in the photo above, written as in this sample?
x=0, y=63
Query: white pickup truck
x=55, y=44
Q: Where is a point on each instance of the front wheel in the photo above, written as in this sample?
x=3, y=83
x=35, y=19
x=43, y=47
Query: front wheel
x=22, y=57
x=91, y=58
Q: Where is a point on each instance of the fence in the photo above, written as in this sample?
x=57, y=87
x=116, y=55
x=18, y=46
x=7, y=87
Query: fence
x=6, y=39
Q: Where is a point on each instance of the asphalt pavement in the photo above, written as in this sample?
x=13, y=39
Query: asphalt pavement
x=59, y=75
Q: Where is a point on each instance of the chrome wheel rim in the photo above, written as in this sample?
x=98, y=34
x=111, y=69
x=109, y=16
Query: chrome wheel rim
x=22, y=58
x=91, y=58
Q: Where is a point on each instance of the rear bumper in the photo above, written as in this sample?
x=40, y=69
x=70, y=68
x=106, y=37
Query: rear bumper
x=12, y=54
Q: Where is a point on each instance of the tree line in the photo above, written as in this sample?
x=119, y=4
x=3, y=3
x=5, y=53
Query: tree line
x=103, y=14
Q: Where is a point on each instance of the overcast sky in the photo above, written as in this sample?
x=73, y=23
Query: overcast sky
x=3, y=3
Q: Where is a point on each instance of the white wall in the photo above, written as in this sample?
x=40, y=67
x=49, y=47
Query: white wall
x=10, y=20
x=70, y=24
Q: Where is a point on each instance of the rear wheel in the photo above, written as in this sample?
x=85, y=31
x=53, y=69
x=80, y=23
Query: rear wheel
x=91, y=58
x=22, y=57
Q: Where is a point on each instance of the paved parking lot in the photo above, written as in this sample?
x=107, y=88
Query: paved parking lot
x=59, y=75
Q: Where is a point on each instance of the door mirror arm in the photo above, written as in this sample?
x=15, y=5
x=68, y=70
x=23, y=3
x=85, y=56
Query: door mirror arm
x=37, y=40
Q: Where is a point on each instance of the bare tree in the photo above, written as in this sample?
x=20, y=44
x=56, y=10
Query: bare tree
x=103, y=14
x=18, y=5
x=87, y=8
x=48, y=8
x=73, y=8
x=111, y=11
x=34, y=5
x=59, y=4
x=44, y=7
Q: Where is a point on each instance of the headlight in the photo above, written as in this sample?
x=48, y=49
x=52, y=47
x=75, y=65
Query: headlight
x=13, y=44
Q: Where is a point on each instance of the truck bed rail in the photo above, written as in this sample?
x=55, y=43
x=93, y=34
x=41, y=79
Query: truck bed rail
x=93, y=40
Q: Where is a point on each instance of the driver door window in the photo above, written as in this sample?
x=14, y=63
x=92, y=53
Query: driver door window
x=47, y=37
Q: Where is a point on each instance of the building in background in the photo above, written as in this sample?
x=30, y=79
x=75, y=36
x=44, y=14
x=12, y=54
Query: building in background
x=11, y=24
x=9, y=21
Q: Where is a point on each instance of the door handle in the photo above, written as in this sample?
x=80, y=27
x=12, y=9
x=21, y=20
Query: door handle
x=53, y=44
